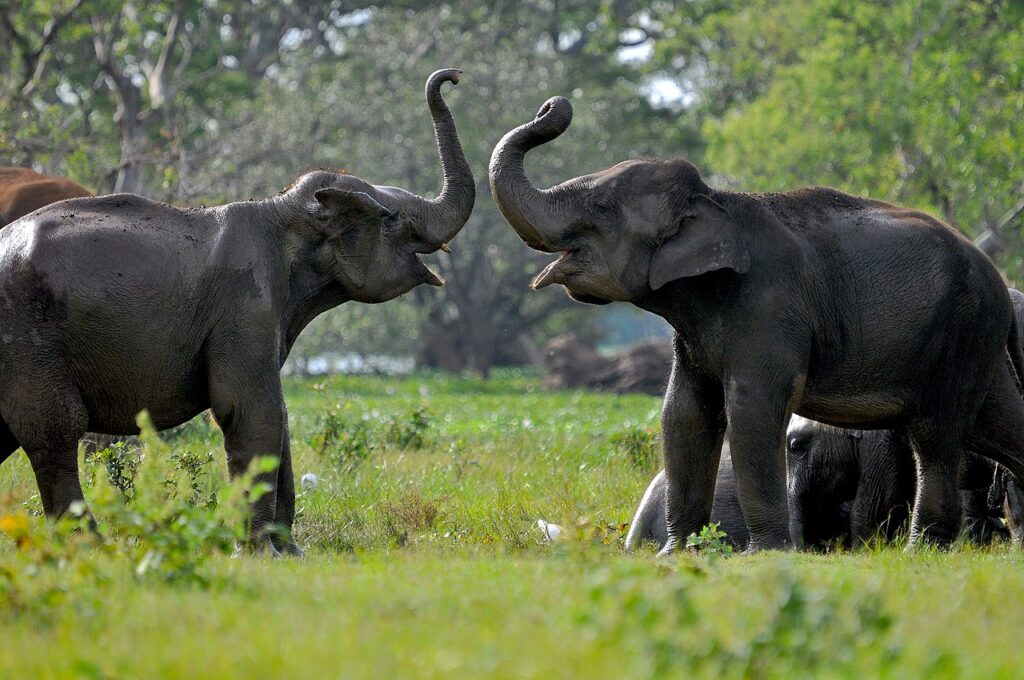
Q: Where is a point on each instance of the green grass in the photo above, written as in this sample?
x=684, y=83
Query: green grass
x=424, y=560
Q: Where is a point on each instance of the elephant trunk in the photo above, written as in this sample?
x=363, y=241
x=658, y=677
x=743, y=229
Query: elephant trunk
x=445, y=215
x=530, y=211
x=796, y=523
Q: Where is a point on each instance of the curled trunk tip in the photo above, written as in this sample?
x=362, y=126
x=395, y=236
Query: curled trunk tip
x=432, y=90
x=530, y=211
x=445, y=215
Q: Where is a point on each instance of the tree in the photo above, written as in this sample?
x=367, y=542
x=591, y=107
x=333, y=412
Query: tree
x=363, y=111
x=919, y=102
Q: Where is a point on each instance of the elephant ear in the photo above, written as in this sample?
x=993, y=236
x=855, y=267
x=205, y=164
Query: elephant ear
x=349, y=209
x=707, y=239
x=341, y=212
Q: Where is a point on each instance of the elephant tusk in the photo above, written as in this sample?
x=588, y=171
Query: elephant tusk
x=445, y=248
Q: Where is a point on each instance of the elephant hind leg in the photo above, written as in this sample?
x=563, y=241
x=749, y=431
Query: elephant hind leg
x=937, y=512
x=998, y=432
x=48, y=420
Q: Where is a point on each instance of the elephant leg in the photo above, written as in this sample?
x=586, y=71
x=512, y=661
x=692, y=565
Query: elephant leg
x=250, y=411
x=998, y=432
x=693, y=426
x=285, y=511
x=48, y=420
x=937, y=515
x=1013, y=509
x=757, y=430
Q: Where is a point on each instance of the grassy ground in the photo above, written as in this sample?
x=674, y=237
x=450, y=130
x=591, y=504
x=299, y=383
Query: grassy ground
x=424, y=560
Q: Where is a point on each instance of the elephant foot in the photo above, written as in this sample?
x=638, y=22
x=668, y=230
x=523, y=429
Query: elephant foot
x=289, y=548
x=668, y=550
x=260, y=547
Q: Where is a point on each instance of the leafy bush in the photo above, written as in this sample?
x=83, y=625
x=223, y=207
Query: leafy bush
x=640, y=445
x=351, y=438
x=162, y=514
x=408, y=431
x=711, y=541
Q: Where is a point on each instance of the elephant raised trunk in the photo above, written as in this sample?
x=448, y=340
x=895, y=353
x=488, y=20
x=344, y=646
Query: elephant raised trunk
x=446, y=214
x=530, y=211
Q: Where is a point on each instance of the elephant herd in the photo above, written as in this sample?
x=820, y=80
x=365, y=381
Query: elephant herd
x=810, y=304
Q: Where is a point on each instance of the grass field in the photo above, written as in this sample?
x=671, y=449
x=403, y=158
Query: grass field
x=424, y=560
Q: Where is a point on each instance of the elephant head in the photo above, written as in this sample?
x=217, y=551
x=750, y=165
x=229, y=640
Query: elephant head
x=368, y=236
x=621, y=232
x=822, y=471
x=855, y=484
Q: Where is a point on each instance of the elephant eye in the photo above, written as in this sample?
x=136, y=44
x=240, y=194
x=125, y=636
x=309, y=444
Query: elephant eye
x=603, y=205
x=797, y=445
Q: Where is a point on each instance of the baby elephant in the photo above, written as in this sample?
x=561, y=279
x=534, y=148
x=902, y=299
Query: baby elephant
x=844, y=486
x=649, y=522
x=850, y=486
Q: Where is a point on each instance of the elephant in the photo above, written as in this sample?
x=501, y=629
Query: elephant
x=845, y=310
x=845, y=487
x=23, y=190
x=118, y=304
x=649, y=521
x=851, y=486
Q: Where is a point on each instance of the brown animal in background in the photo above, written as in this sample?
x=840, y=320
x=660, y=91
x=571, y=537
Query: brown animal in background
x=23, y=191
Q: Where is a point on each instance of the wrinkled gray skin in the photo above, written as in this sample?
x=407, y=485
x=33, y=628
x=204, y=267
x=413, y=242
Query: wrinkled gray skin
x=117, y=304
x=846, y=310
x=649, y=521
x=844, y=486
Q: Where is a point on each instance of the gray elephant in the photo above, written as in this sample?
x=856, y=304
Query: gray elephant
x=649, y=521
x=843, y=309
x=117, y=304
x=845, y=487
x=852, y=486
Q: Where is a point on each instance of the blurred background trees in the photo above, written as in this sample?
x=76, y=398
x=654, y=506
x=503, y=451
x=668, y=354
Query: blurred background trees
x=205, y=101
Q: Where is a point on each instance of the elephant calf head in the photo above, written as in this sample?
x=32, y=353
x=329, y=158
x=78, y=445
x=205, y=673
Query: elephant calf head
x=846, y=484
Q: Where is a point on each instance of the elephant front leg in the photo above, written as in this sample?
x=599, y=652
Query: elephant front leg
x=757, y=415
x=693, y=425
x=253, y=420
x=284, y=516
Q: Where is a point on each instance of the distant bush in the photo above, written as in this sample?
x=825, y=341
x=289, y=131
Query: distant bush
x=350, y=437
x=640, y=445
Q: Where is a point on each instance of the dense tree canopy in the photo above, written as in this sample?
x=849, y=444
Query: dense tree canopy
x=200, y=101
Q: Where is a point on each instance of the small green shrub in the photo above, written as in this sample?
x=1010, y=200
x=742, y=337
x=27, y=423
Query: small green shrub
x=711, y=541
x=121, y=462
x=345, y=437
x=409, y=431
x=640, y=446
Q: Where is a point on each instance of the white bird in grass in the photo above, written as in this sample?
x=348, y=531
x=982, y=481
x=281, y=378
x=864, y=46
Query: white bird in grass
x=551, y=532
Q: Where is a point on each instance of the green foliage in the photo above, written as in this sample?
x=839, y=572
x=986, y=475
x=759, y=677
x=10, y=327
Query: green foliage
x=349, y=436
x=915, y=102
x=434, y=554
x=408, y=431
x=641, y=447
x=121, y=462
x=805, y=631
x=711, y=541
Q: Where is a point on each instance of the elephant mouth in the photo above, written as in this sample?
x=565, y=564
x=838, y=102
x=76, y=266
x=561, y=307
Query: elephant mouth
x=558, y=271
x=426, y=273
